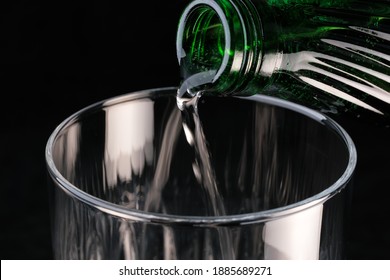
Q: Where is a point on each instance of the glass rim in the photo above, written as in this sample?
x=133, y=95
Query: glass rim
x=160, y=218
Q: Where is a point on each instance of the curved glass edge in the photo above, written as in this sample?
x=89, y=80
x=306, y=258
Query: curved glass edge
x=228, y=220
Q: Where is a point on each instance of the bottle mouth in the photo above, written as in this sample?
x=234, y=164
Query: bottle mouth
x=215, y=46
x=203, y=44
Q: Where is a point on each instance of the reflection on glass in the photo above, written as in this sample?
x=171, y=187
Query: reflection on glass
x=128, y=182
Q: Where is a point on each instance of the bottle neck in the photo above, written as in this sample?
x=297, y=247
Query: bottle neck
x=228, y=47
x=219, y=46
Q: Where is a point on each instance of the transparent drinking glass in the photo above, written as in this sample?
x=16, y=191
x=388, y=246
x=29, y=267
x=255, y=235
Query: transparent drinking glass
x=268, y=179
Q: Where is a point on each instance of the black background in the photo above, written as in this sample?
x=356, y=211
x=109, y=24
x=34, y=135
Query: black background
x=56, y=58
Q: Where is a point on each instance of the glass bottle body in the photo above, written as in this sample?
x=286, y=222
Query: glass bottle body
x=333, y=56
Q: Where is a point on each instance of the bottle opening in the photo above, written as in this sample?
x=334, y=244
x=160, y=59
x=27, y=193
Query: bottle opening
x=203, y=45
x=218, y=46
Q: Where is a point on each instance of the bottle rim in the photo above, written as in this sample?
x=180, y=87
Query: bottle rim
x=190, y=10
x=242, y=30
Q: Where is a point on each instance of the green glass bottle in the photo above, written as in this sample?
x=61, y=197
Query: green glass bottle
x=331, y=55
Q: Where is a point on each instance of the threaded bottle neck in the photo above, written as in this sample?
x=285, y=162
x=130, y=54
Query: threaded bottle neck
x=218, y=46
